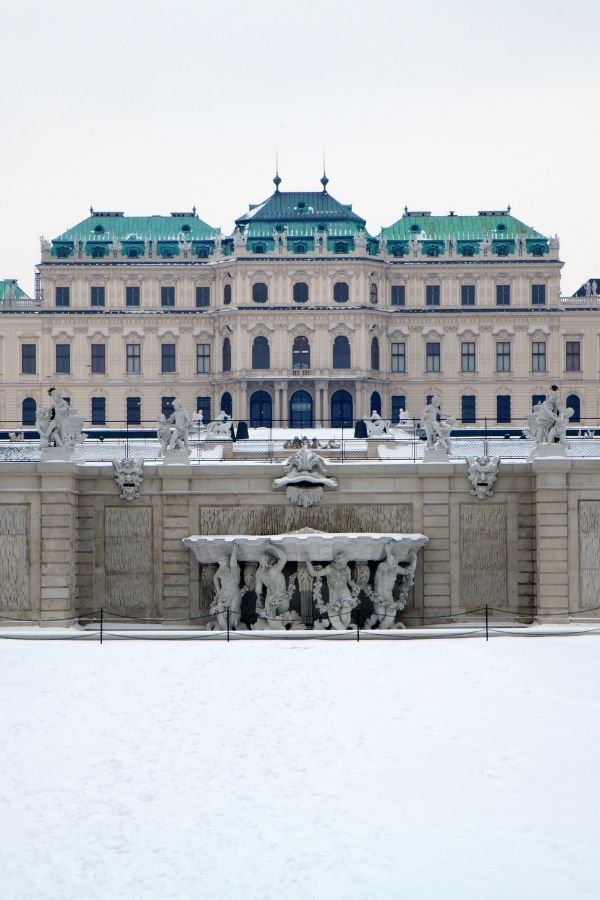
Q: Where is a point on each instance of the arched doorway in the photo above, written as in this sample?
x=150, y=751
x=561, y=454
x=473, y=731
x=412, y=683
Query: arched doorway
x=28, y=411
x=301, y=410
x=375, y=402
x=227, y=403
x=575, y=403
x=261, y=410
x=341, y=410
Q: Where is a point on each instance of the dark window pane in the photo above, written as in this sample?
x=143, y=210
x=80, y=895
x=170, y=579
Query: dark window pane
x=503, y=295
x=467, y=356
x=227, y=294
x=134, y=359
x=260, y=292
x=375, y=354
x=28, y=359
x=503, y=408
x=399, y=357
x=261, y=357
x=202, y=358
x=98, y=359
x=167, y=296
x=63, y=296
x=300, y=292
x=301, y=353
x=132, y=295
x=432, y=356
x=166, y=406
x=28, y=411
x=573, y=356
x=538, y=294
x=227, y=355
x=468, y=408
x=341, y=352
x=203, y=406
x=467, y=295
x=202, y=296
x=97, y=296
x=134, y=410
x=341, y=292
x=432, y=294
x=63, y=358
x=398, y=295
x=167, y=355
x=98, y=411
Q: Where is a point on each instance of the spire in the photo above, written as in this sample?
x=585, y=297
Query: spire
x=277, y=179
x=324, y=179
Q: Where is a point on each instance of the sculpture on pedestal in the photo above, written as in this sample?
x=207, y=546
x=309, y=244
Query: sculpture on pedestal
x=547, y=425
x=59, y=425
x=174, y=432
x=219, y=427
x=437, y=427
x=305, y=477
x=376, y=426
x=228, y=594
x=482, y=473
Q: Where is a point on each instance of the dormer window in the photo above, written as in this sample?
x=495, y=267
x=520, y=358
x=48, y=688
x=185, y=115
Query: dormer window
x=185, y=228
x=62, y=252
x=99, y=229
x=300, y=248
x=203, y=251
x=133, y=253
x=501, y=227
x=260, y=248
x=415, y=228
x=97, y=252
x=340, y=247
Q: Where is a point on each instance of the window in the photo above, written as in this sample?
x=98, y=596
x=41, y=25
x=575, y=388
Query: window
x=203, y=406
x=63, y=296
x=338, y=247
x=432, y=356
x=227, y=355
x=398, y=406
x=432, y=295
x=132, y=295
x=503, y=356
x=260, y=292
x=503, y=408
x=98, y=359
x=573, y=356
x=261, y=410
x=28, y=411
x=260, y=248
x=467, y=295
x=503, y=295
x=373, y=293
x=227, y=403
x=134, y=359
x=301, y=353
x=537, y=398
x=375, y=354
x=134, y=410
x=398, y=295
x=63, y=358
x=227, y=294
x=300, y=292
x=202, y=359
x=261, y=355
x=375, y=404
x=167, y=296
x=341, y=352
x=574, y=402
x=98, y=411
x=167, y=358
x=28, y=359
x=467, y=356
x=538, y=356
x=399, y=357
x=538, y=294
x=166, y=406
x=202, y=295
x=341, y=292
x=467, y=404
x=97, y=296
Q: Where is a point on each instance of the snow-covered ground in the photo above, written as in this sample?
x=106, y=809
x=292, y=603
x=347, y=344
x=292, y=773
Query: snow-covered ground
x=298, y=770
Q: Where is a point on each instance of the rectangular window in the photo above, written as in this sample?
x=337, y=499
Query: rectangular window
x=98, y=411
x=467, y=356
x=432, y=356
x=167, y=296
x=63, y=296
x=399, y=357
x=203, y=406
x=538, y=294
x=468, y=408
x=28, y=359
x=98, y=359
x=97, y=296
x=432, y=295
x=202, y=296
x=467, y=295
x=573, y=356
x=503, y=356
x=132, y=295
x=538, y=356
x=398, y=407
x=503, y=408
x=398, y=295
x=134, y=359
x=202, y=358
x=503, y=295
x=167, y=358
x=134, y=410
x=63, y=358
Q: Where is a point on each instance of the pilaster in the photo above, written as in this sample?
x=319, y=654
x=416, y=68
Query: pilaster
x=551, y=523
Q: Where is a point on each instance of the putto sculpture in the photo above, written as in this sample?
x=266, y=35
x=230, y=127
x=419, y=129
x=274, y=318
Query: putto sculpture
x=129, y=477
x=437, y=427
x=220, y=427
x=59, y=426
x=482, y=473
x=174, y=433
x=547, y=426
x=305, y=477
x=375, y=425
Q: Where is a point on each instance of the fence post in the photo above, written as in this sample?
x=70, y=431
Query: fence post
x=357, y=630
x=228, y=625
x=486, y=623
x=101, y=624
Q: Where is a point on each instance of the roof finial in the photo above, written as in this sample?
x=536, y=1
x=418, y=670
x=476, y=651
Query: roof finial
x=324, y=179
x=508, y=208
x=91, y=210
x=277, y=179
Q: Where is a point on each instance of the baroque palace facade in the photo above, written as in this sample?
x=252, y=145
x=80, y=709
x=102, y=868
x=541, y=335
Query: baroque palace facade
x=299, y=318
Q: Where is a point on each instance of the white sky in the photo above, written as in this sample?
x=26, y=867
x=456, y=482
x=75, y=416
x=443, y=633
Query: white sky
x=149, y=106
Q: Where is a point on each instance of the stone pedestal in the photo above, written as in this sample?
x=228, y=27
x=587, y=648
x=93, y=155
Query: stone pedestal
x=56, y=454
x=435, y=455
x=548, y=451
x=176, y=457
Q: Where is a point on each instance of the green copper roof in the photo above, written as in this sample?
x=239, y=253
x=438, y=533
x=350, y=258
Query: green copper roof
x=10, y=290
x=117, y=227
x=284, y=207
x=496, y=226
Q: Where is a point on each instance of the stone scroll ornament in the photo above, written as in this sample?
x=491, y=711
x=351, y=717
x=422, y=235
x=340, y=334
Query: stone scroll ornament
x=305, y=477
x=482, y=473
x=128, y=475
x=381, y=576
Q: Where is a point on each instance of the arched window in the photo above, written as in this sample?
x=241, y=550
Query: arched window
x=341, y=352
x=375, y=354
x=300, y=292
x=98, y=410
x=134, y=410
x=341, y=410
x=301, y=353
x=260, y=292
x=227, y=294
x=166, y=406
x=375, y=402
x=227, y=403
x=301, y=410
x=575, y=403
x=203, y=406
x=227, y=355
x=373, y=292
x=341, y=292
x=28, y=411
x=261, y=356
x=261, y=410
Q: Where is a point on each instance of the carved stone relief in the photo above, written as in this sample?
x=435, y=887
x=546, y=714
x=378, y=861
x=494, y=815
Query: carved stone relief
x=128, y=558
x=483, y=556
x=589, y=553
x=14, y=561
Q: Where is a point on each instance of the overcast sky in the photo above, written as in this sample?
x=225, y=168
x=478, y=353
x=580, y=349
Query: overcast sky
x=149, y=106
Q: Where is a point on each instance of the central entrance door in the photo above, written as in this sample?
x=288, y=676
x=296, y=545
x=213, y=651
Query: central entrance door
x=261, y=410
x=341, y=410
x=301, y=410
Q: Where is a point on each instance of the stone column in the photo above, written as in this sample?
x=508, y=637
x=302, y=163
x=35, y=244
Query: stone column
x=59, y=507
x=285, y=413
x=552, y=582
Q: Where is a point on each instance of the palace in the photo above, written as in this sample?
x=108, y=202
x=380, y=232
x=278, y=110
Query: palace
x=299, y=318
